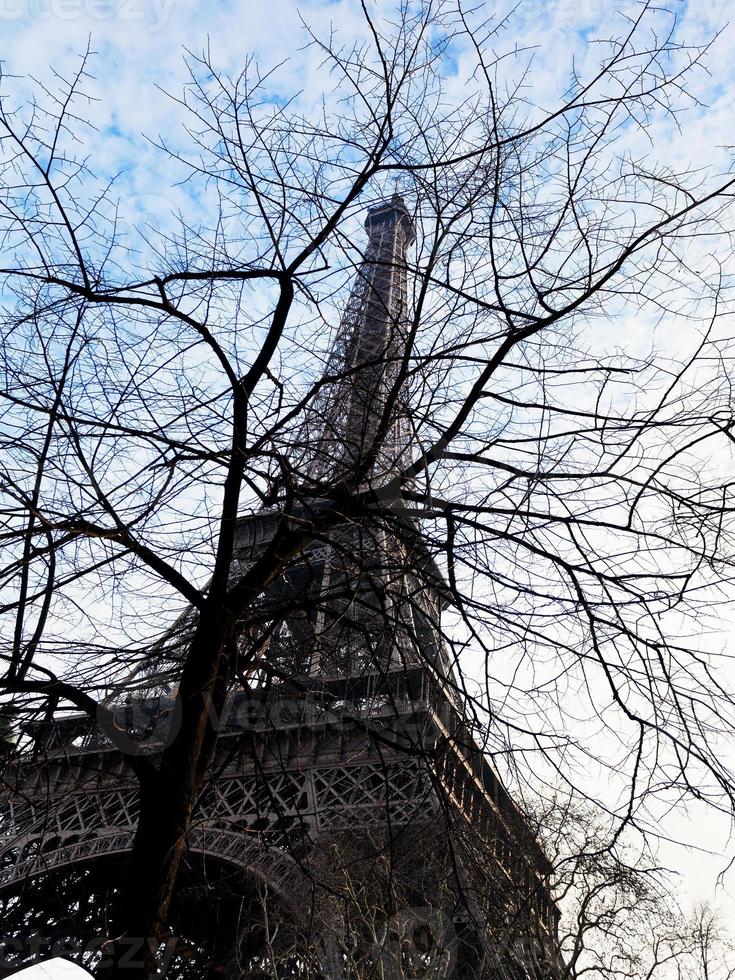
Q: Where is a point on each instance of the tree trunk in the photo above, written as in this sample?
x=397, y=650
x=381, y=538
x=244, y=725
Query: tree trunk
x=168, y=796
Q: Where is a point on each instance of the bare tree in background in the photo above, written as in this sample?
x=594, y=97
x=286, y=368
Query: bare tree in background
x=622, y=916
x=575, y=496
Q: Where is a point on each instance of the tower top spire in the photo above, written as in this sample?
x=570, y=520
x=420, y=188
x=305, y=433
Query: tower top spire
x=392, y=212
x=357, y=429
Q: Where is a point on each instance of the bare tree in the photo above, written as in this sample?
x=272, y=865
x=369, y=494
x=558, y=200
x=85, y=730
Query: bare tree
x=622, y=916
x=153, y=401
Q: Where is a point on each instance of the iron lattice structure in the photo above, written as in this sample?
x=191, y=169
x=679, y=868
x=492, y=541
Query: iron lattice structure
x=347, y=784
x=358, y=426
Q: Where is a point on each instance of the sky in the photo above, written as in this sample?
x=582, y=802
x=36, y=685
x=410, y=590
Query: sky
x=139, y=50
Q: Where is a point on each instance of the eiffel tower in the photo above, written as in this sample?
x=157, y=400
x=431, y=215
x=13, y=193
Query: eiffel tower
x=351, y=826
